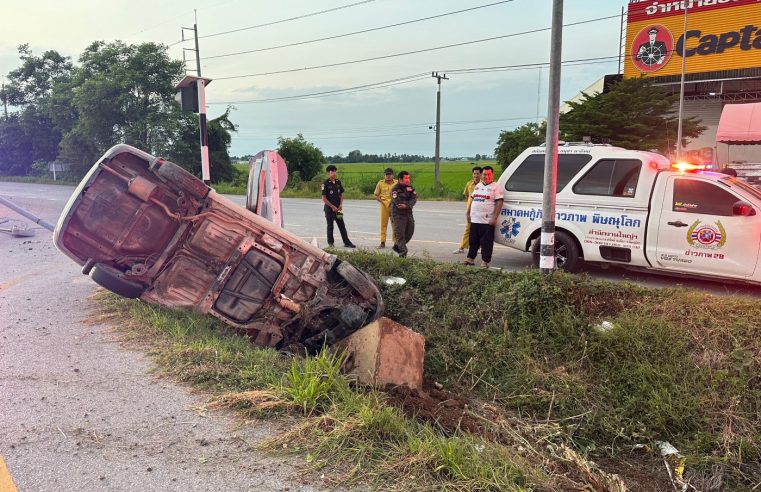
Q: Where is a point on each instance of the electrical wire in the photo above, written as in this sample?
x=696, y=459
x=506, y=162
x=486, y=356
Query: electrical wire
x=425, y=50
x=383, y=128
x=364, y=31
x=416, y=78
x=272, y=23
x=335, y=92
x=384, y=135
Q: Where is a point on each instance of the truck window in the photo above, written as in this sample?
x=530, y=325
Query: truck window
x=700, y=197
x=529, y=176
x=610, y=177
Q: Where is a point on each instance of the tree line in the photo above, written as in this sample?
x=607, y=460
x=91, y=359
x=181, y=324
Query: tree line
x=116, y=93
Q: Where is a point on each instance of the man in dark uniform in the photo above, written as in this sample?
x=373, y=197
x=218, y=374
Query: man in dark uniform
x=653, y=52
x=333, y=198
x=403, y=198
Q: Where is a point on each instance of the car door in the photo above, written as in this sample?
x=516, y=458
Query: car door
x=700, y=233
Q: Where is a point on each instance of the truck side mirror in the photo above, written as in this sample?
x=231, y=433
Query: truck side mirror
x=743, y=208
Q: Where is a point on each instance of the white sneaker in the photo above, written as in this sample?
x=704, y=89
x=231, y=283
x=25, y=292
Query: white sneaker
x=458, y=251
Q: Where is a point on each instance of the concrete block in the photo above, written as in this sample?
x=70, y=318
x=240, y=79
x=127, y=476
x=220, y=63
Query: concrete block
x=385, y=352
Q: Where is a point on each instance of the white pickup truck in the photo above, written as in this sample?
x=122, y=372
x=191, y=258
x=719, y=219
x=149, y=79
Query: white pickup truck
x=635, y=209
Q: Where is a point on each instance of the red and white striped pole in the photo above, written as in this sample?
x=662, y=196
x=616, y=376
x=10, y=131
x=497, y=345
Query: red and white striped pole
x=205, y=175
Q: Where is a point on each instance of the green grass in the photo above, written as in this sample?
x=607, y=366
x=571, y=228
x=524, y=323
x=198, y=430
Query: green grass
x=360, y=179
x=678, y=365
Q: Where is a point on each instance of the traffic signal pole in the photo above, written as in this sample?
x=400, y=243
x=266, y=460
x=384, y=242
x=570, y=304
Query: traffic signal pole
x=547, y=250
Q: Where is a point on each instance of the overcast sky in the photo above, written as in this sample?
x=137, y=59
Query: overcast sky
x=394, y=118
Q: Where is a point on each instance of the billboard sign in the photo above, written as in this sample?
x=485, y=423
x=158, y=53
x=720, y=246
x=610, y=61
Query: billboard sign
x=720, y=35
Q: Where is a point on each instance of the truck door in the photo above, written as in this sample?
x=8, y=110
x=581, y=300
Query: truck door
x=699, y=233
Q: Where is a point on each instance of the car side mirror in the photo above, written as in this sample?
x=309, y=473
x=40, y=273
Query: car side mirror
x=744, y=209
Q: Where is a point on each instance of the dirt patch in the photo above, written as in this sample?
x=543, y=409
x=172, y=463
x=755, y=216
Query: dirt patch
x=445, y=410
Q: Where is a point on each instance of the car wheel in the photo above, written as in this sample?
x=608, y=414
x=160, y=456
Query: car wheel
x=112, y=279
x=358, y=280
x=566, y=252
x=179, y=176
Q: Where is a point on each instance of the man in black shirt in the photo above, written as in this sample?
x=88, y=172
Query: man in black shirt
x=333, y=198
x=403, y=198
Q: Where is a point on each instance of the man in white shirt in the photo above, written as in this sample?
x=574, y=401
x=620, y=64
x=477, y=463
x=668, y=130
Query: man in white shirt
x=483, y=211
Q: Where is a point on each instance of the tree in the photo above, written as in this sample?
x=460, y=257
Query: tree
x=512, y=142
x=634, y=114
x=186, y=150
x=123, y=94
x=301, y=156
x=32, y=132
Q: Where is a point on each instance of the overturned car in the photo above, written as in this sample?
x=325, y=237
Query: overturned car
x=143, y=227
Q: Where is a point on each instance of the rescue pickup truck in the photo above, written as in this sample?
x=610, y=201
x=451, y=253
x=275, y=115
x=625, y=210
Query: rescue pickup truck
x=635, y=209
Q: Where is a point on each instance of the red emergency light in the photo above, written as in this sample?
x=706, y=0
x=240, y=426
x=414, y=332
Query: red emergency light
x=688, y=167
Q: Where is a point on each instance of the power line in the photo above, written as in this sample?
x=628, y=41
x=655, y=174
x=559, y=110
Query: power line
x=364, y=31
x=335, y=92
x=425, y=50
x=311, y=14
x=416, y=78
x=386, y=128
x=385, y=135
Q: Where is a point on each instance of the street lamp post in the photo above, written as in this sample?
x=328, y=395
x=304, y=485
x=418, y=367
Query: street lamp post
x=681, y=83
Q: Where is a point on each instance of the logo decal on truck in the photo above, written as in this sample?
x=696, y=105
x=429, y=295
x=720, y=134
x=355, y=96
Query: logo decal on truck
x=706, y=236
x=510, y=229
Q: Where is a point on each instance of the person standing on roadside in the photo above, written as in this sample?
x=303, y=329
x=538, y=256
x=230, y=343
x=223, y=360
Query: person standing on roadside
x=403, y=198
x=469, y=187
x=483, y=211
x=333, y=198
x=383, y=196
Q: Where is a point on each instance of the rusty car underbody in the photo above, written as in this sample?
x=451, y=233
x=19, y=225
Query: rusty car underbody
x=145, y=228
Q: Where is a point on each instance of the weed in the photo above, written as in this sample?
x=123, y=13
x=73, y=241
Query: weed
x=313, y=383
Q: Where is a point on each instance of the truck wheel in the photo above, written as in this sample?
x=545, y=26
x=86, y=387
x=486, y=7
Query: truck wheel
x=566, y=252
x=112, y=279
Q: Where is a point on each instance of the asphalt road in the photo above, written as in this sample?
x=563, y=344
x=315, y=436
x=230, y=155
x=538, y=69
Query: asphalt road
x=80, y=412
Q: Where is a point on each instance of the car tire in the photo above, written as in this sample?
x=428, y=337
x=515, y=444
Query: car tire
x=112, y=279
x=566, y=252
x=362, y=284
x=182, y=178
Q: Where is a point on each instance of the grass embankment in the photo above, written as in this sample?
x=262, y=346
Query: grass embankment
x=359, y=180
x=675, y=365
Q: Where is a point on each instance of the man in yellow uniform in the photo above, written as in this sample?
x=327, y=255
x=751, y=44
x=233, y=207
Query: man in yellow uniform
x=383, y=196
x=468, y=192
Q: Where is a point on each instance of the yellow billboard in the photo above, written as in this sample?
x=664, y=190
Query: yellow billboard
x=720, y=35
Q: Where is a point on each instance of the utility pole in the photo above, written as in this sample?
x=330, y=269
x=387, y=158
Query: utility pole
x=436, y=173
x=5, y=99
x=681, y=87
x=547, y=250
x=201, y=85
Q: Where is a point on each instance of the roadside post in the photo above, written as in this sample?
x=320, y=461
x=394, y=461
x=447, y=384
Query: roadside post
x=191, y=94
x=547, y=250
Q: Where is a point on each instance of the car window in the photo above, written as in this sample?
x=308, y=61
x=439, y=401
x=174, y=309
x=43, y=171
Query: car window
x=529, y=176
x=700, y=197
x=751, y=190
x=611, y=177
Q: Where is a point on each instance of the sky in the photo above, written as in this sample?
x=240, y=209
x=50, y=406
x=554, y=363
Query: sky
x=396, y=115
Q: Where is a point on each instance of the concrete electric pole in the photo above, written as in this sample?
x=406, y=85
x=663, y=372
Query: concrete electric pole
x=201, y=87
x=547, y=250
x=437, y=158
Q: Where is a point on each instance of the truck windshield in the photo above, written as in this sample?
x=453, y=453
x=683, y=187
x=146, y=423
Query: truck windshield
x=751, y=190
